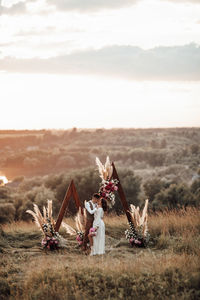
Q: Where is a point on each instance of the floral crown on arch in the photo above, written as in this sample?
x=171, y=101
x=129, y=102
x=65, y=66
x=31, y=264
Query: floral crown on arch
x=108, y=185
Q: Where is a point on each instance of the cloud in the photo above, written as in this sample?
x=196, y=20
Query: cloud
x=24, y=7
x=184, y=1
x=16, y=9
x=34, y=32
x=83, y=6
x=47, y=31
x=90, y=5
x=160, y=63
x=68, y=5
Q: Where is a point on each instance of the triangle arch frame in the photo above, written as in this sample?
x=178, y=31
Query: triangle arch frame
x=72, y=192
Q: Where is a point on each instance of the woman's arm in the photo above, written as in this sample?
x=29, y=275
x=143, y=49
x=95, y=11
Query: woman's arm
x=91, y=211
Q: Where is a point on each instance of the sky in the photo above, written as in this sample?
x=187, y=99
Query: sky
x=99, y=63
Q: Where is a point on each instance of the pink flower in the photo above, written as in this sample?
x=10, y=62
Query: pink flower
x=131, y=240
x=78, y=238
x=92, y=229
x=116, y=188
x=44, y=242
x=137, y=242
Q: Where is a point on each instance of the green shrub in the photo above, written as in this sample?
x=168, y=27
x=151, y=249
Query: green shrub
x=176, y=195
x=153, y=187
x=4, y=289
x=7, y=212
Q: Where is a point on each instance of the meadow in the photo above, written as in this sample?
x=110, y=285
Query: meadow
x=167, y=269
x=159, y=164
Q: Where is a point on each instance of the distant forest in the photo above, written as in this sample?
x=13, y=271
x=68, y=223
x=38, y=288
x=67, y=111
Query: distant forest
x=161, y=164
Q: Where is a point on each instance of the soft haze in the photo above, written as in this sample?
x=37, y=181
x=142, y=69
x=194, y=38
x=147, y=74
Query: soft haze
x=99, y=63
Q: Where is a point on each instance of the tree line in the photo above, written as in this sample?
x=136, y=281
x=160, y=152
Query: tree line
x=19, y=196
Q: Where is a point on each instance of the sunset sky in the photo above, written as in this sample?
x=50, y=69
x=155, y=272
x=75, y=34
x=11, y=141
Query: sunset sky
x=99, y=63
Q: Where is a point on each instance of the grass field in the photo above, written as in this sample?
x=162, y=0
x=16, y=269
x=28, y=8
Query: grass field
x=167, y=269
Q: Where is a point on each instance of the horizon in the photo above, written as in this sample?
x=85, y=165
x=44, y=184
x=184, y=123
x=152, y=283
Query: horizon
x=98, y=128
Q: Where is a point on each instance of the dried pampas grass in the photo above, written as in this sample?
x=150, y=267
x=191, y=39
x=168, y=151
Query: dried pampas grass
x=140, y=220
x=40, y=219
x=105, y=171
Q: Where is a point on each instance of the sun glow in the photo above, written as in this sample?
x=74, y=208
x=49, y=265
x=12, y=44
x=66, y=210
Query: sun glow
x=54, y=101
x=3, y=180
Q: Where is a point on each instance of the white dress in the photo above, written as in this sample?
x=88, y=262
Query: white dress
x=99, y=239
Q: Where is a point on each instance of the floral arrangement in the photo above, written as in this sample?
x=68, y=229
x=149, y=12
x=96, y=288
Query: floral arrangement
x=135, y=237
x=93, y=231
x=50, y=243
x=138, y=233
x=80, y=237
x=107, y=190
x=108, y=186
x=51, y=240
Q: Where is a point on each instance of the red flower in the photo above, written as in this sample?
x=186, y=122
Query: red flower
x=108, y=187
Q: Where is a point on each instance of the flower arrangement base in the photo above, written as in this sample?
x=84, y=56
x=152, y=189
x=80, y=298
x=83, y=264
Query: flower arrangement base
x=138, y=243
x=50, y=243
x=135, y=236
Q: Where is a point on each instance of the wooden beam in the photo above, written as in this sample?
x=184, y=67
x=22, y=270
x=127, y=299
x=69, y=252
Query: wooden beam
x=122, y=194
x=64, y=207
x=71, y=191
x=76, y=197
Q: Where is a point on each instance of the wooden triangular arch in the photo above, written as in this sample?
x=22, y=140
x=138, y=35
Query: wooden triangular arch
x=71, y=191
x=121, y=194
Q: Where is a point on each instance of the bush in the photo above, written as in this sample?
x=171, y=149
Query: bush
x=4, y=193
x=153, y=187
x=4, y=289
x=194, y=149
x=195, y=186
x=131, y=186
x=173, y=197
x=7, y=213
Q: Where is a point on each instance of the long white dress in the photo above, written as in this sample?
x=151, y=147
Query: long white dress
x=99, y=239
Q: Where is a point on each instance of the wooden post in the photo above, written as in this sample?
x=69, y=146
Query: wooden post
x=71, y=191
x=121, y=194
x=76, y=197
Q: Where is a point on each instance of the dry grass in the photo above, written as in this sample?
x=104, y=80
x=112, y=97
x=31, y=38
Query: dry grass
x=169, y=267
x=175, y=222
x=144, y=261
x=167, y=222
x=19, y=226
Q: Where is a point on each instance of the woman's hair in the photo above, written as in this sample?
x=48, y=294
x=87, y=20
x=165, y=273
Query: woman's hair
x=97, y=196
x=104, y=204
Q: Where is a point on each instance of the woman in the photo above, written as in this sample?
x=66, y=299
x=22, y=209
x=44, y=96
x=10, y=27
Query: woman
x=97, y=233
